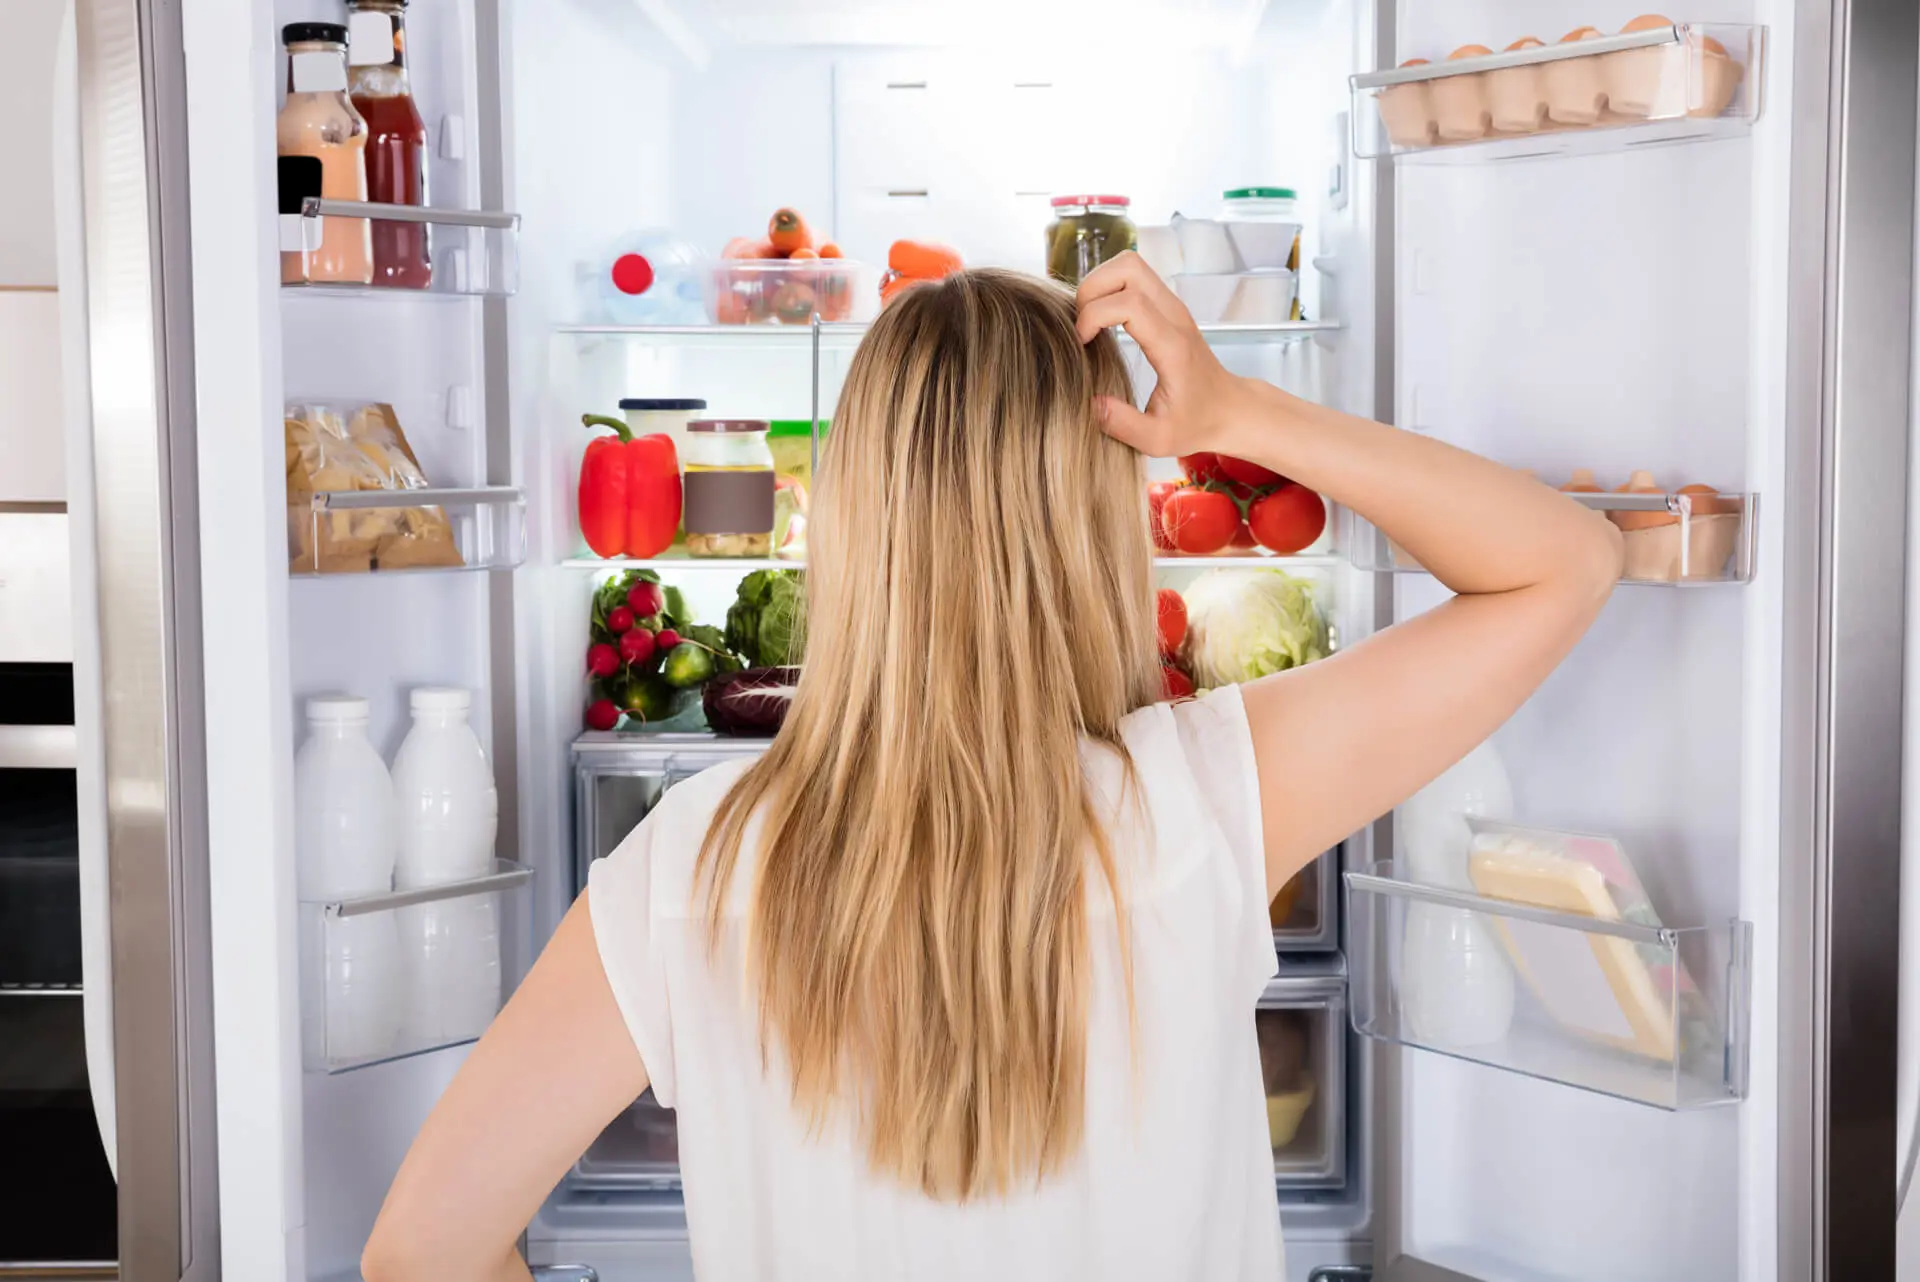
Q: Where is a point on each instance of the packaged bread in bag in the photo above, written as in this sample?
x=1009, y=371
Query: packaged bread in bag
x=419, y=536
x=331, y=451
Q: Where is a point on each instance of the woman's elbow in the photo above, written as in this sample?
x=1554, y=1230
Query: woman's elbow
x=1601, y=558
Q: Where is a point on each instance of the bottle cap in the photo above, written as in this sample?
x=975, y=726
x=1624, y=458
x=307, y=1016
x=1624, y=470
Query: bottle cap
x=295, y=33
x=440, y=699
x=336, y=709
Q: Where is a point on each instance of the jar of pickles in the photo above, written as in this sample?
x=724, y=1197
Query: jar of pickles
x=1087, y=231
x=727, y=484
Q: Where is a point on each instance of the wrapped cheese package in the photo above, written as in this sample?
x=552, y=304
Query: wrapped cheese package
x=338, y=449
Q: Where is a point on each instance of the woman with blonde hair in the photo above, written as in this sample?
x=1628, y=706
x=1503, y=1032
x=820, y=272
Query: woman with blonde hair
x=958, y=979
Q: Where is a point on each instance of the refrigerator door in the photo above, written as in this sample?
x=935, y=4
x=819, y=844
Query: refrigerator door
x=1495, y=1176
x=144, y=542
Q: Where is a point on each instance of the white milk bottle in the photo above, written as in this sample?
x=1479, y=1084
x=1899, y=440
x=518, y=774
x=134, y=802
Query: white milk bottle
x=449, y=814
x=343, y=849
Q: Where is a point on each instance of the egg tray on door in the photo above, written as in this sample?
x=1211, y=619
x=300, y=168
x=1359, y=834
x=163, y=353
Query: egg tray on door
x=1675, y=82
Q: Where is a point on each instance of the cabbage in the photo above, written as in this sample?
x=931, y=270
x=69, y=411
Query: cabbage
x=1243, y=624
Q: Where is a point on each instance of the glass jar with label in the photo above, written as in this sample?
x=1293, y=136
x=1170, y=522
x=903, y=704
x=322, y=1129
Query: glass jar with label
x=1087, y=231
x=727, y=485
x=319, y=121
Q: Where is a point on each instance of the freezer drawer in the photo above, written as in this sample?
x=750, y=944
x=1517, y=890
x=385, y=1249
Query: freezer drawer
x=1301, y=1027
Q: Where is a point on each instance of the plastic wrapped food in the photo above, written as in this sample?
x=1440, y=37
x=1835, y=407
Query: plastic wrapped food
x=332, y=449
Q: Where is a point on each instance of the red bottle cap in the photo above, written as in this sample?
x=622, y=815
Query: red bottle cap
x=632, y=274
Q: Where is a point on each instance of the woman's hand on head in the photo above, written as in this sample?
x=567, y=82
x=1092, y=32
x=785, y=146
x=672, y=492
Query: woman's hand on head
x=1195, y=401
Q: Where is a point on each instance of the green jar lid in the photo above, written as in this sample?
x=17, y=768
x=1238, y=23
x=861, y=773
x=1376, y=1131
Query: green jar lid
x=795, y=427
x=1259, y=193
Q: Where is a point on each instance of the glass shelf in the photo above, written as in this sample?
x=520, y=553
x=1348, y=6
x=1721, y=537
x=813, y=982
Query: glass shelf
x=434, y=530
x=1682, y=83
x=1672, y=540
x=845, y=336
x=474, y=253
x=1648, y=1013
x=741, y=565
x=403, y=972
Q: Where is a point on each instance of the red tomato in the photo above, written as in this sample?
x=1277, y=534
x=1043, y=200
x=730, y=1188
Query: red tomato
x=1173, y=620
x=1200, y=521
x=1239, y=469
x=1242, y=538
x=1289, y=519
x=1157, y=495
x=1201, y=468
x=1174, y=683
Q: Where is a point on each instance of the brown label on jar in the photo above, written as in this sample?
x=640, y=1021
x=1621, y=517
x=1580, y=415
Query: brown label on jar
x=727, y=501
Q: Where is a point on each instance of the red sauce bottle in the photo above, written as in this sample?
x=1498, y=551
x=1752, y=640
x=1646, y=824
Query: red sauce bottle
x=396, y=141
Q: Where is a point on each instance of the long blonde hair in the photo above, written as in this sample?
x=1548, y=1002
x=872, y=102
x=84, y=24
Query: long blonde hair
x=979, y=604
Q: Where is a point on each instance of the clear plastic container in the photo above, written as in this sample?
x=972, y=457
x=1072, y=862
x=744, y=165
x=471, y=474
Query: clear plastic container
x=773, y=291
x=1263, y=225
x=1300, y=1026
x=1087, y=231
x=727, y=486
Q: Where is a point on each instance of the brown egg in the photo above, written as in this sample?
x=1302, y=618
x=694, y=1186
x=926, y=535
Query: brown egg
x=1580, y=33
x=1582, y=483
x=1647, y=22
x=1706, y=501
x=1642, y=483
x=1415, y=62
x=1469, y=51
x=1525, y=42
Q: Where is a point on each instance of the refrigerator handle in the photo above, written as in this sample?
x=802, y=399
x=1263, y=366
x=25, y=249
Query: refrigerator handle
x=70, y=261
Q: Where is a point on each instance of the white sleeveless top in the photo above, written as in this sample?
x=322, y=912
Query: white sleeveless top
x=1175, y=1176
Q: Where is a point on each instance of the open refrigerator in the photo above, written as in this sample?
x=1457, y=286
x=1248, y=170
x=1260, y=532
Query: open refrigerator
x=1719, y=296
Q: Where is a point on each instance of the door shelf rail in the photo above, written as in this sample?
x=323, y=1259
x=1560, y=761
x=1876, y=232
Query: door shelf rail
x=473, y=253
x=436, y=529
x=1672, y=540
x=1652, y=1014
x=404, y=972
x=1686, y=82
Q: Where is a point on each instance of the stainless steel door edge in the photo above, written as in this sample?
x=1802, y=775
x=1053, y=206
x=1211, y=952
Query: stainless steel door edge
x=1850, y=269
x=133, y=167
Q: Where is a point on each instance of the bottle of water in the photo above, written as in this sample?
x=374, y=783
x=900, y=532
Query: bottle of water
x=343, y=849
x=449, y=815
x=647, y=278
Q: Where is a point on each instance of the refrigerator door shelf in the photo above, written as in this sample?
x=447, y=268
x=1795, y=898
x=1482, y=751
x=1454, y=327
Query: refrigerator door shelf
x=1301, y=1027
x=1683, y=83
x=1672, y=540
x=392, y=975
x=357, y=532
x=1656, y=1015
x=474, y=253
x=1306, y=912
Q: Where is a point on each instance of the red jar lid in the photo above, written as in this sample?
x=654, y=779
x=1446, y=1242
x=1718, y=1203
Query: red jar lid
x=1061, y=202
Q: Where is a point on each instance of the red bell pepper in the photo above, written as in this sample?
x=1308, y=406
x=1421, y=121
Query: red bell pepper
x=629, y=491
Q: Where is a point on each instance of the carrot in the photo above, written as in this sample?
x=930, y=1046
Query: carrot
x=830, y=250
x=803, y=252
x=788, y=231
x=923, y=260
x=743, y=247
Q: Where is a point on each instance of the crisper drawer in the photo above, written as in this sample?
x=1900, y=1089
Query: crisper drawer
x=1301, y=1024
x=1306, y=914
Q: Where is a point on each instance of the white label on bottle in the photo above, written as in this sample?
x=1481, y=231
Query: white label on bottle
x=319, y=73
x=299, y=235
x=370, y=39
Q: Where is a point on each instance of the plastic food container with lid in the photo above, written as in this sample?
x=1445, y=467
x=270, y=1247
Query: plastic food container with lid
x=1087, y=231
x=791, y=442
x=1263, y=227
x=785, y=291
x=727, y=486
x=646, y=415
